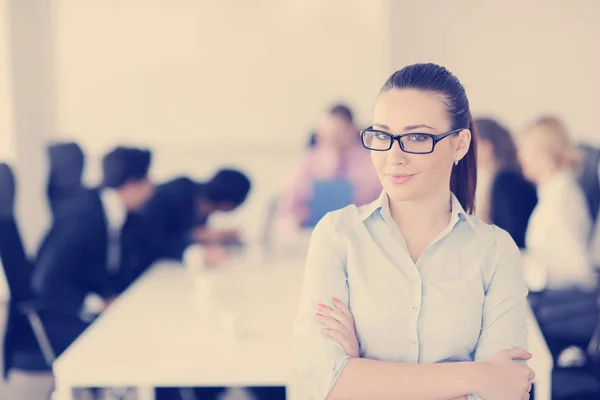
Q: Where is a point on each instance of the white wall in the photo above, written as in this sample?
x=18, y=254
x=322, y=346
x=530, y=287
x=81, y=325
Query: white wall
x=231, y=75
x=211, y=83
x=27, y=106
x=516, y=58
x=6, y=127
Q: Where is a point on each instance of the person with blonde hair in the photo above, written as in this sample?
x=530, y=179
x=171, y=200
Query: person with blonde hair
x=559, y=229
x=558, y=260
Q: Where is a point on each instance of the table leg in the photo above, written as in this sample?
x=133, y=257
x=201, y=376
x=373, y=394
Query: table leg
x=145, y=393
x=543, y=386
x=62, y=392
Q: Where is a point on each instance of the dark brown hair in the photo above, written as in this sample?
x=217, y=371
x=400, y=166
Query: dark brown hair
x=503, y=145
x=342, y=111
x=435, y=78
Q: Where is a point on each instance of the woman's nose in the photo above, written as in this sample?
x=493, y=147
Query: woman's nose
x=396, y=155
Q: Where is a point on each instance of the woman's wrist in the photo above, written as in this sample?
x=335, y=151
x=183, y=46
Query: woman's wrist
x=478, y=376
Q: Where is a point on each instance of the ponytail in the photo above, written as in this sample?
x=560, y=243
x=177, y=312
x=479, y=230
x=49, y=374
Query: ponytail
x=463, y=180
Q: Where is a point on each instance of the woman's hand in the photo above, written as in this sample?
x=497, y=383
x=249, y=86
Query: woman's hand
x=504, y=378
x=339, y=324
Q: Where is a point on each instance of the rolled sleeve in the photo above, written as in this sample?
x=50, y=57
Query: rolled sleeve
x=504, y=324
x=319, y=359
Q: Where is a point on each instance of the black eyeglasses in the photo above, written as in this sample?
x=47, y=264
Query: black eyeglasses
x=414, y=143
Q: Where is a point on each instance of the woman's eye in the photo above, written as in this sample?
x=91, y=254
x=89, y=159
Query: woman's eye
x=381, y=136
x=417, y=137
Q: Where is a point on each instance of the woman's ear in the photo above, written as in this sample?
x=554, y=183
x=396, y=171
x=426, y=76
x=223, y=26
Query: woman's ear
x=462, y=142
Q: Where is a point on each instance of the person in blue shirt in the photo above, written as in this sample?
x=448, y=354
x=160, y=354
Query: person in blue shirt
x=412, y=297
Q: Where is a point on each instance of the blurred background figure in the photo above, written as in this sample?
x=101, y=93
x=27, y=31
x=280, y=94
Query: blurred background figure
x=559, y=230
x=503, y=196
x=557, y=262
x=179, y=212
x=95, y=249
x=336, y=169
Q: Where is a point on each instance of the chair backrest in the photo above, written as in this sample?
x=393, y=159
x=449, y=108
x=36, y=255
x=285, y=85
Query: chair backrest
x=327, y=196
x=66, y=163
x=17, y=267
x=589, y=178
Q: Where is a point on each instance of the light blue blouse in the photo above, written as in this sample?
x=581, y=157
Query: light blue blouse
x=464, y=299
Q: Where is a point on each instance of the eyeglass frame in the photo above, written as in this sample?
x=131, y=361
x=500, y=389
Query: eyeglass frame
x=434, y=138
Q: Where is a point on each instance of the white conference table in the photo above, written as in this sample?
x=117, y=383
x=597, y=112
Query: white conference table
x=159, y=333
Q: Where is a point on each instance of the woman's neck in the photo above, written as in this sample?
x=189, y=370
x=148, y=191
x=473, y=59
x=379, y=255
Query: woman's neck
x=422, y=215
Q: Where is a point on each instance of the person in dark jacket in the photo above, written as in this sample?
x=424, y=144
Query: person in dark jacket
x=503, y=197
x=95, y=248
x=179, y=210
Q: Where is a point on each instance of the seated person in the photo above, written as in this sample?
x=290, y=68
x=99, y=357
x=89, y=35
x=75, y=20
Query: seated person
x=95, y=249
x=503, y=197
x=559, y=229
x=557, y=259
x=179, y=210
x=336, y=154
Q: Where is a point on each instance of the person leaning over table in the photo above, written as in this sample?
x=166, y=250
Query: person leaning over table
x=179, y=211
x=412, y=289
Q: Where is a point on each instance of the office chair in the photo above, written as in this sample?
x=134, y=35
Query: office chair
x=26, y=345
x=581, y=383
x=589, y=178
x=66, y=163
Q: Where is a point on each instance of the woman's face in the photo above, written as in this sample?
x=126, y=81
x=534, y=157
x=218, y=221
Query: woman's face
x=335, y=132
x=408, y=177
x=533, y=159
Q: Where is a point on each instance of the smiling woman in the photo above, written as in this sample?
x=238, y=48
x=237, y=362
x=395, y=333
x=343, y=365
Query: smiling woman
x=412, y=289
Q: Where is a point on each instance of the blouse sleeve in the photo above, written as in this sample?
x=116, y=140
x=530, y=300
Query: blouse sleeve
x=504, y=324
x=319, y=359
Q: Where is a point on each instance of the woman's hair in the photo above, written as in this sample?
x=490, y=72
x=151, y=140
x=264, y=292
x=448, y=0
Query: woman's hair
x=503, y=145
x=551, y=134
x=435, y=78
x=342, y=111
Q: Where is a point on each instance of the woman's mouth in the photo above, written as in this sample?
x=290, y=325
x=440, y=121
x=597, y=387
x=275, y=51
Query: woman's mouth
x=399, y=178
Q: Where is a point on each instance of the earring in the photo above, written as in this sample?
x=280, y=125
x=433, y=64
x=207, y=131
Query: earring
x=456, y=162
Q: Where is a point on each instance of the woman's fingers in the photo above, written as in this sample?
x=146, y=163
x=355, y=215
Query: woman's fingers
x=343, y=318
x=340, y=338
x=331, y=323
x=342, y=307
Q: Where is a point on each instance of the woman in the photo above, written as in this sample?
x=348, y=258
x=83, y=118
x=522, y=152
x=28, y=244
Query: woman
x=503, y=197
x=558, y=260
x=423, y=291
x=559, y=230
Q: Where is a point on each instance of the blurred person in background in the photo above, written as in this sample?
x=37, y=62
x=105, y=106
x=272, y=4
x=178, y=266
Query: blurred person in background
x=95, y=249
x=558, y=261
x=559, y=230
x=411, y=288
x=503, y=196
x=336, y=153
x=179, y=211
